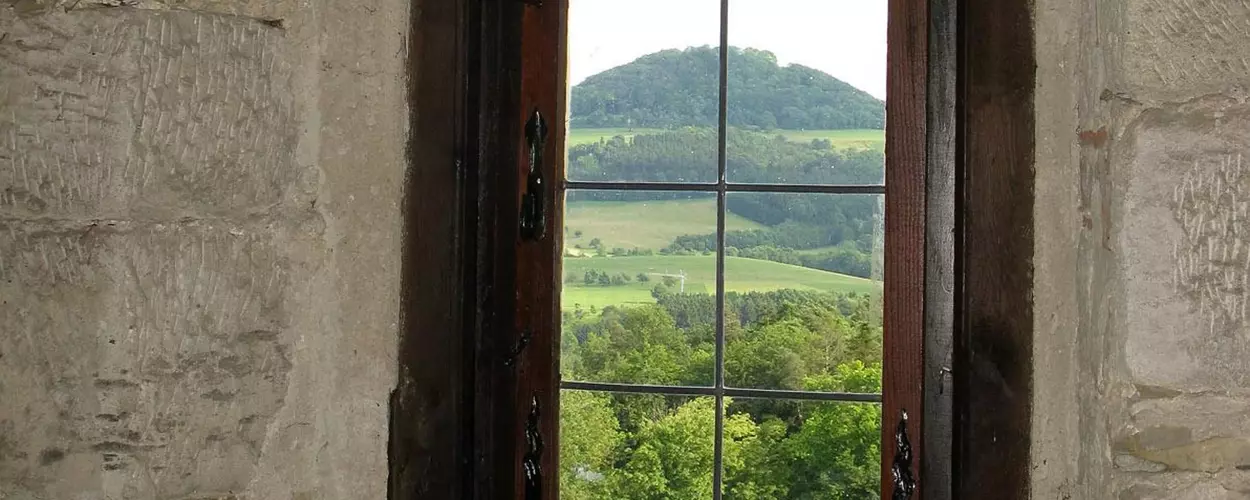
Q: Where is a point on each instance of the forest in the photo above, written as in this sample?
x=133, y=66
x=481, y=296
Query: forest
x=660, y=447
x=674, y=88
x=822, y=333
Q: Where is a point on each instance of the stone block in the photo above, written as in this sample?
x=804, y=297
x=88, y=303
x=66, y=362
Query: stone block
x=1185, y=241
x=1177, y=50
x=124, y=113
x=1185, y=486
x=142, y=362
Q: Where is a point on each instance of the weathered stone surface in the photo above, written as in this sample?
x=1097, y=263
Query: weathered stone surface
x=1186, y=243
x=1178, y=50
x=1132, y=463
x=1185, y=485
x=123, y=113
x=199, y=213
x=1166, y=423
x=165, y=351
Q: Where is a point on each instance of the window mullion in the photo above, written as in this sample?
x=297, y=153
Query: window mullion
x=722, y=140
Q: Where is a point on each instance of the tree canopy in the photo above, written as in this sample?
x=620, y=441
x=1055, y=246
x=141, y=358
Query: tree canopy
x=676, y=88
x=643, y=446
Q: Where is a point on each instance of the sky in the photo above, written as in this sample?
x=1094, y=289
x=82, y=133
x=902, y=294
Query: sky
x=845, y=38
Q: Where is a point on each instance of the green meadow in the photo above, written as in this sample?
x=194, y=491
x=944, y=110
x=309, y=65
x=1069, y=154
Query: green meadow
x=741, y=275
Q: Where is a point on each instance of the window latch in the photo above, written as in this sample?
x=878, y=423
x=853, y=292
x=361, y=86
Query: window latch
x=531, y=464
x=904, y=482
x=534, y=201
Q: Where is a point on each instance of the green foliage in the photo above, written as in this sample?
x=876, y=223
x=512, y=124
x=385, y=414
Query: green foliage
x=589, y=437
x=660, y=447
x=675, y=88
x=689, y=154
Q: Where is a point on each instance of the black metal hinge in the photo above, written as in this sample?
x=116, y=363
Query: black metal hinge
x=531, y=464
x=533, y=202
x=904, y=482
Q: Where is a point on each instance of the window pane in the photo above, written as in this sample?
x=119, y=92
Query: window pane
x=623, y=446
x=791, y=449
x=645, y=90
x=639, y=287
x=802, y=301
x=806, y=91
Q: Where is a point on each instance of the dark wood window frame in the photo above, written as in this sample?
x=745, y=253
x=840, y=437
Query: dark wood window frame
x=468, y=369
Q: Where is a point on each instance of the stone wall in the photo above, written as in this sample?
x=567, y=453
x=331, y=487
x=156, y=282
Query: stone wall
x=199, y=247
x=1143, y=250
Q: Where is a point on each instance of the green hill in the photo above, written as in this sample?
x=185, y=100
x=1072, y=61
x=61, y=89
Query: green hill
x=676, y=88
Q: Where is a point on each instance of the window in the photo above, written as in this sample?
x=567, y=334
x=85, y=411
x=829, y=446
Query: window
x=742, y=295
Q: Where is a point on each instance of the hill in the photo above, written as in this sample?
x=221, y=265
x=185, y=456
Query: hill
x=677, y=88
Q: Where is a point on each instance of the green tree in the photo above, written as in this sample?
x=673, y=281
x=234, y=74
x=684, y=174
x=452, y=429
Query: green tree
x=837, y=452
x=673, y=457
x=589, y=437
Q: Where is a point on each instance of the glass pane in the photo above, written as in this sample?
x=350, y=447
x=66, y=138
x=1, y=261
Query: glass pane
x=806, y=91
x=645, y=90
x=791, y=449
x=639, y=287
x=802, y=293
x=622, y=446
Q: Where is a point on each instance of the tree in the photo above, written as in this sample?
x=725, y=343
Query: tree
x=589, y=436
x=673, y=459
x=837, y=452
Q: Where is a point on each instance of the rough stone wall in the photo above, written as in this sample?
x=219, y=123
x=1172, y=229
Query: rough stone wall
x=199, y=247
x=1143, y=250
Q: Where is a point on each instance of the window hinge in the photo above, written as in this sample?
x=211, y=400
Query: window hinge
x=531, y=464
x=904, y=482
x=533, y=202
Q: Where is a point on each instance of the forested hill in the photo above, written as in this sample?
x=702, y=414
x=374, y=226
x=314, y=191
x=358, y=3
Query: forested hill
x=675, y=88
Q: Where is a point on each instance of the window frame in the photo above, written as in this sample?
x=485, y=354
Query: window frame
x=543, y=88
x=454, y=412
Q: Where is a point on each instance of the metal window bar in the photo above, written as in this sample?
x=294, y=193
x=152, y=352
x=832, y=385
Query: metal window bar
x=733, y=392
x=727, y=187
x=722, y=188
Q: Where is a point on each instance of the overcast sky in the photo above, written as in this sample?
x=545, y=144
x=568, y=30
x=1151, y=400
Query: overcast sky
x=845, y=38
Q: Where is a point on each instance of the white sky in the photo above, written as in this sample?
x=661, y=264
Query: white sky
x=845, y=38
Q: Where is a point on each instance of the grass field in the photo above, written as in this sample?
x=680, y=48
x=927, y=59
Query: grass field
x=857, y=138
x=741, y=275
x=580, y=136
x=642, y=224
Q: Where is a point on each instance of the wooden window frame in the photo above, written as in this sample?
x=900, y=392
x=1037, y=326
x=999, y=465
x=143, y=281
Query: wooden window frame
x=460, y=407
